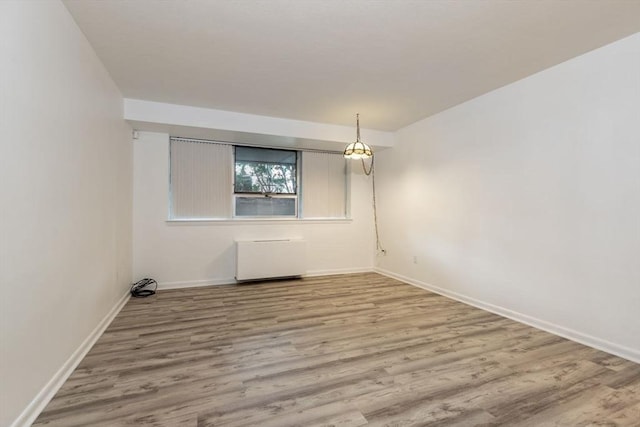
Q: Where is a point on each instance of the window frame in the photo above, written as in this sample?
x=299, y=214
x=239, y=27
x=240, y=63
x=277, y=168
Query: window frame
x=243, y=194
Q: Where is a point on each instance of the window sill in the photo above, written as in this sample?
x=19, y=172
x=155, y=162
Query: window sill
x=254, y=221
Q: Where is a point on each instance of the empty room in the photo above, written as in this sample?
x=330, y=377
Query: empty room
x=319, y=213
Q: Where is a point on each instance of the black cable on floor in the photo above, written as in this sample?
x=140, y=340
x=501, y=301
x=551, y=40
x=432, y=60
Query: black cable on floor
x=140, y=290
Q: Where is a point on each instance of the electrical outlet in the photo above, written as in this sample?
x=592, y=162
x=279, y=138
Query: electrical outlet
x=415, y=259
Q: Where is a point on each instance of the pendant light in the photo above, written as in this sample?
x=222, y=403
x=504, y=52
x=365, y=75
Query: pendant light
x=358, y=150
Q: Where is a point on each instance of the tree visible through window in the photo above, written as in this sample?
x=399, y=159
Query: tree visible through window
x=252, y=177
x=265, y=182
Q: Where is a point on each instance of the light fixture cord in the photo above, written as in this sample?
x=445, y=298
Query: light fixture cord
x=371, y=172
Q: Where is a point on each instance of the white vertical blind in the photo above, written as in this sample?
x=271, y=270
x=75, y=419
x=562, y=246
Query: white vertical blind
x=324, y=191
x=201, y=179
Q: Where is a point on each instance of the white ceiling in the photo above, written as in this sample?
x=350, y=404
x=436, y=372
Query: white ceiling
x=395, y=62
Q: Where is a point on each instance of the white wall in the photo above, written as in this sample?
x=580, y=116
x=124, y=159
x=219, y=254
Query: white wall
x=178, y=254
x=527, y=200
x=65, y=210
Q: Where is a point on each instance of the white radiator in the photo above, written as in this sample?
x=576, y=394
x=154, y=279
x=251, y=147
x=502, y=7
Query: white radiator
x=267, y=259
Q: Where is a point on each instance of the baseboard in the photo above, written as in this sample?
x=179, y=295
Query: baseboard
x=231, y=281
x=314, y=273
x=195, y=283
x=570, y=334
x=31, y=412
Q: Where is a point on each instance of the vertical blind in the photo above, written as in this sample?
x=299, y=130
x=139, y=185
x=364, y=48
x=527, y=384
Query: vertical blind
x=201, y=179
x=324, y=191
x=201, y=182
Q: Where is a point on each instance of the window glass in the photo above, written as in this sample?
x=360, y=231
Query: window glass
x=265, y=206
x=265, y=171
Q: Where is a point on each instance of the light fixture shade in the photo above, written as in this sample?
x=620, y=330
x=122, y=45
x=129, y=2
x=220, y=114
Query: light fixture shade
x=357, y=150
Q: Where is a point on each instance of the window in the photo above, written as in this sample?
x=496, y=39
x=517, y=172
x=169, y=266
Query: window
x=211, y=180
x=266, y=182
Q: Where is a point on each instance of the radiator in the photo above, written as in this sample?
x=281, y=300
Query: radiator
x=268, y=259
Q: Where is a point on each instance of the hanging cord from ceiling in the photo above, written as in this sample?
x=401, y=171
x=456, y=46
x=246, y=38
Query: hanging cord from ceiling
x=371, y=172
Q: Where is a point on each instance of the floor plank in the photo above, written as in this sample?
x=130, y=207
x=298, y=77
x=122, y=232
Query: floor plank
x=348, y=350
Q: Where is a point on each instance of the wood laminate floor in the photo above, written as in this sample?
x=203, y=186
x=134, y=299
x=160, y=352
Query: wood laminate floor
x=351, y=350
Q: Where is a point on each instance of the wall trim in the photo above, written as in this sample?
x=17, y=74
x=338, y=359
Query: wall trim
x=44, y=396
x=195, y=283
x=570, y=334
x=232, y=281
x=331, y=272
